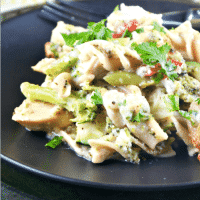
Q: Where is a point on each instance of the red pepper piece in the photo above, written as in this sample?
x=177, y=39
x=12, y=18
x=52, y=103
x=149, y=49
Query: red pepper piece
x=117, y=35
x=154, y=70
x=131, y=25
x=176, y=62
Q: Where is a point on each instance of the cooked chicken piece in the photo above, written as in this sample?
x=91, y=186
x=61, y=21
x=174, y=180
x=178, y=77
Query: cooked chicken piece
x=41, y=116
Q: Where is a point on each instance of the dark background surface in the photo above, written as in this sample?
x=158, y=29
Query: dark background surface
x=22, y=184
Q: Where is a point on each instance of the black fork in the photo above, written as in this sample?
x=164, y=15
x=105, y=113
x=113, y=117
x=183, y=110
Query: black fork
x=63, y=11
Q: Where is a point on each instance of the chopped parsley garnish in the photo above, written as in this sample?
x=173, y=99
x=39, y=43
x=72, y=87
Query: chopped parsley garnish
x=198, y=101
x=172, y=29
x=151, y=55
x=54, y=142
x=134, y=45
x=172, y=102
x=72, y=38
x=158, y=27
x=127, y=34
x=99, y=31
x=96, y=31
x=187, y=114
x=116, y=8
x=140, y=30
x=168, y=70
x=96, y=98
x=138, y=117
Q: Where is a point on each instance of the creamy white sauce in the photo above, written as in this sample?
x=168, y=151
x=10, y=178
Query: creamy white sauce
x=143, y=70
x=169, y=85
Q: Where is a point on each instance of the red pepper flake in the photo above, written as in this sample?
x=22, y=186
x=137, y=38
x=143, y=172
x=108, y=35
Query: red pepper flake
x=176, y=62
x=154, y=70
x=131, y=25
x=117, y=35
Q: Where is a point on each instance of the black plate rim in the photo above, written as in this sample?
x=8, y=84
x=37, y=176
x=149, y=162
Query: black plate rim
x=119, y=187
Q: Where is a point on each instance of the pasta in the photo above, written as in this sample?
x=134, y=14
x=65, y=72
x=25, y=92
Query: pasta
x=118, y=90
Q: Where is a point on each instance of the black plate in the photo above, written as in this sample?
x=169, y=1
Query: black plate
x=23, y=41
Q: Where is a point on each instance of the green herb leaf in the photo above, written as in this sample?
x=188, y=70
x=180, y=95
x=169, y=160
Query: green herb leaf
x=116, y=8
x=134, y=45
x=99, y=31
x=54, y=142
x=140, y=30
x=138, y=117
x=167, y=69
x=172, y=29
x=96, y=31
x=72, y=38
x=158, y=27
x=97, y=98
x=127, y=34
x=172, y=102
x=187, y=114
x=158, y=77
x=151, y=55
x=198, y=101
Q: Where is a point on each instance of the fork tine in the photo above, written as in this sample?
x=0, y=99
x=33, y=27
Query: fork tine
x=51, y=17
x=69, y=5
x=70, y=10
x=51, y=12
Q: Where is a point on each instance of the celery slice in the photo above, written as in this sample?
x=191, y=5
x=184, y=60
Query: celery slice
x=119, y=78
x=62, y=66
x=36, y=92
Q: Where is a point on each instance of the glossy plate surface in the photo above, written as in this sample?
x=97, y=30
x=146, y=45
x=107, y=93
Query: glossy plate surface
x=23, y=41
